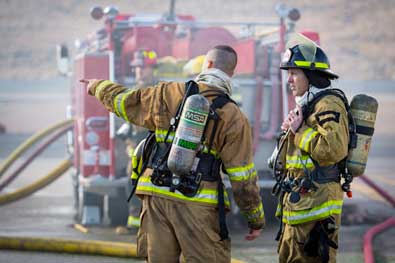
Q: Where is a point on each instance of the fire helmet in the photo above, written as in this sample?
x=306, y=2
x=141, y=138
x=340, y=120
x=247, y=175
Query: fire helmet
x=303, y=53
x=194, y=66
x=143, y=58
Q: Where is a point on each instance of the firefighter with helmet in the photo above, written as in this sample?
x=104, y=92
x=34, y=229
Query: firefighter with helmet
x=175, y=222
x=310, y=153
x=143, y=65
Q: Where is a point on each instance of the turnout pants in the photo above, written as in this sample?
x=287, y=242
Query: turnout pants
x=171, y=228
x=292, y=241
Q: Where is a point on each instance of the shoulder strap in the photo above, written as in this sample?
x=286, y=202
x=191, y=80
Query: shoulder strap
x=307, y=110
x=221, y=100
x=191, y=88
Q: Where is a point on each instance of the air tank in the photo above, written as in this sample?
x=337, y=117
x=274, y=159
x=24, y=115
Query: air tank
x=364, y=110
x=188, y=134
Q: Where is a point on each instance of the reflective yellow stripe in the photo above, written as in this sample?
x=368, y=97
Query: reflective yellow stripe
x=160, y=136
x=134, y=175
x=255, y=214
x=119, y=104
x=101, y=86
x=133, y=221
x=332, y=207
x=307, y=136
x=308, y=64
x=279, y=210
x=130, y=152
x=207, y=196
x=299, y=162
x=123, y=110
x=137, y=165
x=212, y=151
x=242, y=172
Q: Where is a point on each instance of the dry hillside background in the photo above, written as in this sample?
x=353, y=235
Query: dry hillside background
x=358, y=35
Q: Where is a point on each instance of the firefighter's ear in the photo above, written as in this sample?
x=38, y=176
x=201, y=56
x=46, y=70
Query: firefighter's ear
x=210, y=64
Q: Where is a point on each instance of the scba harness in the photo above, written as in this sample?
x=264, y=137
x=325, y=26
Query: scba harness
x=208, y=162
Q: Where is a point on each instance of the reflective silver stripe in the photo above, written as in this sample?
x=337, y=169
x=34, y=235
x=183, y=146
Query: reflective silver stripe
x=208, y=196
x=255, y=214
x=242, y=172
x=299, y=161
x=308, y=64
x=307, y=136
x=328, y=208
x=133, y=221
x=160, y=136
x=119, y=104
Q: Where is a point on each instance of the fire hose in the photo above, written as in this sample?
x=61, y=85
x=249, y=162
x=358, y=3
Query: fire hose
x=37, y=185
x=369, y=235
x=72, y=246
x=29, y=142
x=93, y=247
x=33, y=155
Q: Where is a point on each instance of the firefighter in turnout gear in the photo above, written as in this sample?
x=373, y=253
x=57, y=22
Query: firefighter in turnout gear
x=175, y=222
x=307, y=167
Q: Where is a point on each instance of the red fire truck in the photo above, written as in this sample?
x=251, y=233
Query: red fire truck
x=99, y=173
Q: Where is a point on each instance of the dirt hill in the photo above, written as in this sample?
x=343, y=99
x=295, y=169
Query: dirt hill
x=357, y=35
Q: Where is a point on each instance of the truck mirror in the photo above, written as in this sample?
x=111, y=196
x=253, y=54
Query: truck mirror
x=97, y=12
x=62, y=59
x=294, y=14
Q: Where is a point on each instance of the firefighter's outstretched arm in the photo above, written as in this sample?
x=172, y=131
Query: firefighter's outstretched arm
x=133, y=105
x=238, y=161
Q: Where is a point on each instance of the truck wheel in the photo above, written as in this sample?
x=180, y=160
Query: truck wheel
x=118, y=208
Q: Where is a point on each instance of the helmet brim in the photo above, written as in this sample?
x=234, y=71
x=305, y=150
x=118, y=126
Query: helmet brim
x=328, y=72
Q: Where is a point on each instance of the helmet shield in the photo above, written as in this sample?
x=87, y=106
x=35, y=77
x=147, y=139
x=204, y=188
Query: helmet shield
x=307, y=47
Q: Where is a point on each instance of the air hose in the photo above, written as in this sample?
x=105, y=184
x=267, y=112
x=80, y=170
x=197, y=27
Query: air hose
x=29, y=142
x=37, y=185
x=32, y=156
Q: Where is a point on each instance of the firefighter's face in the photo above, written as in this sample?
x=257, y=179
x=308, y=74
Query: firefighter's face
x=298, y=82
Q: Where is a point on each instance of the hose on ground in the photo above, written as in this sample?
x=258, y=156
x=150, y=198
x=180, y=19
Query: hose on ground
x=91, y=247
x=378, y=189
x=369, y=235
x=37, y=185
x=32, y=156
x=94, y=247
x=29, y=142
